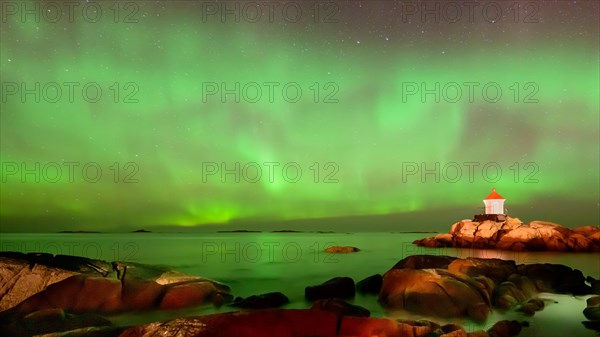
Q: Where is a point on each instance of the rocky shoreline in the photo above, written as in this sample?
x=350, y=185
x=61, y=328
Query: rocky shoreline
x=74, y=296
x=512, y=234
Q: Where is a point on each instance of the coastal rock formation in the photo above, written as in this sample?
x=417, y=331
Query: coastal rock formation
x=36, y=282
x=268, y=300
x=512, y=234
x=592, y=313
x=306, y=323
x=340, y=307
x=342, y=287
x=452, y=287
x=435, y=292
x=370, y=285
x=341, y=249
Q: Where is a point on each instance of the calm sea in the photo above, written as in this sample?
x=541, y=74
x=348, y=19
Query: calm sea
x=255, y=263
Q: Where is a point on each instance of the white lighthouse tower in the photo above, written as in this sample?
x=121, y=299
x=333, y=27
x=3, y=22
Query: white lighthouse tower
x=494, y=203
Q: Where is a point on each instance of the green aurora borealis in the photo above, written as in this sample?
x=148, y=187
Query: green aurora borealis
x=368, y=53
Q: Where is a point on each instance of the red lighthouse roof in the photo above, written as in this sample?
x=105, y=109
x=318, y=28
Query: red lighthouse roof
x=494, y=195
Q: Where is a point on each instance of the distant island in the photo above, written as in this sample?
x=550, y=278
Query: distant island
x=512, y=234
x=141, y=230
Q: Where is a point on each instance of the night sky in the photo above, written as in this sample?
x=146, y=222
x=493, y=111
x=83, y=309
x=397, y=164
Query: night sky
x=360, y=132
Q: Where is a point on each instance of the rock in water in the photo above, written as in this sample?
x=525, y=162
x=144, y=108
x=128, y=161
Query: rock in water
x=341, y=307
x=36, y=282
x=278, y=323
x=342, y=287
x=370, y=285
x=268, y=300
x=341, y=250
x=434, y=292
x=512, y=234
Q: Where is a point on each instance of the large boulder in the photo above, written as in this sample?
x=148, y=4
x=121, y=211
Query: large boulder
x=592, y=313
x=435, y=292
x=268, y=300
x=277, y=323
x=555, y=278
x=424, y=262
x=342, y=287
x=370, y=285
x=516, y=290
x=496, y=269
x=340, y=307
x=80, y=285
x=341, y=249
x=512, y=234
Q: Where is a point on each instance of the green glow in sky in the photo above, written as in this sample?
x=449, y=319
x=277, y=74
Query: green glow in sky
x=363, y=137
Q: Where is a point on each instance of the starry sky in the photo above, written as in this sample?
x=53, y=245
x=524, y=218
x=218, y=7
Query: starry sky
x=351, y=115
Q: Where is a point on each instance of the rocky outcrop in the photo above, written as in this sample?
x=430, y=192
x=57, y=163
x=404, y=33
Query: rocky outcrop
x=435, y=292
x=35, y=282
x=56, y=320
x=341, y=249
x=512, y=234
x=305, y=323
x=555, y=278
x=370, y=285
x=340, y=307
x=342, y=287
x=592, y=313
x=516, y=290
x=268, y=300
x=451, y=287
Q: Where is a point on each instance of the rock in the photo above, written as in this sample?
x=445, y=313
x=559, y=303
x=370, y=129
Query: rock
x=434, y=292
x=594, y=284
x=505, y=329
x=277, y=323
x=455, y=333
x=370, y=285
x=78, y=285
x=341, y=249
x=52, y=320
x=555, y=278
x=340, y=307
x=533, y=305
x=342, y=287
x=516, y=290
x=268, y=300
x=496, y=269
x=578, y=243
x=592, y=312
x=22, y=278
x=593, y=325
x=424, y=262
x=587, y=231
x=512, y=234
x=593, y=301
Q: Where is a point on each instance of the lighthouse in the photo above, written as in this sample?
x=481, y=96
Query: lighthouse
x=494, y=208
x=494, y=203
